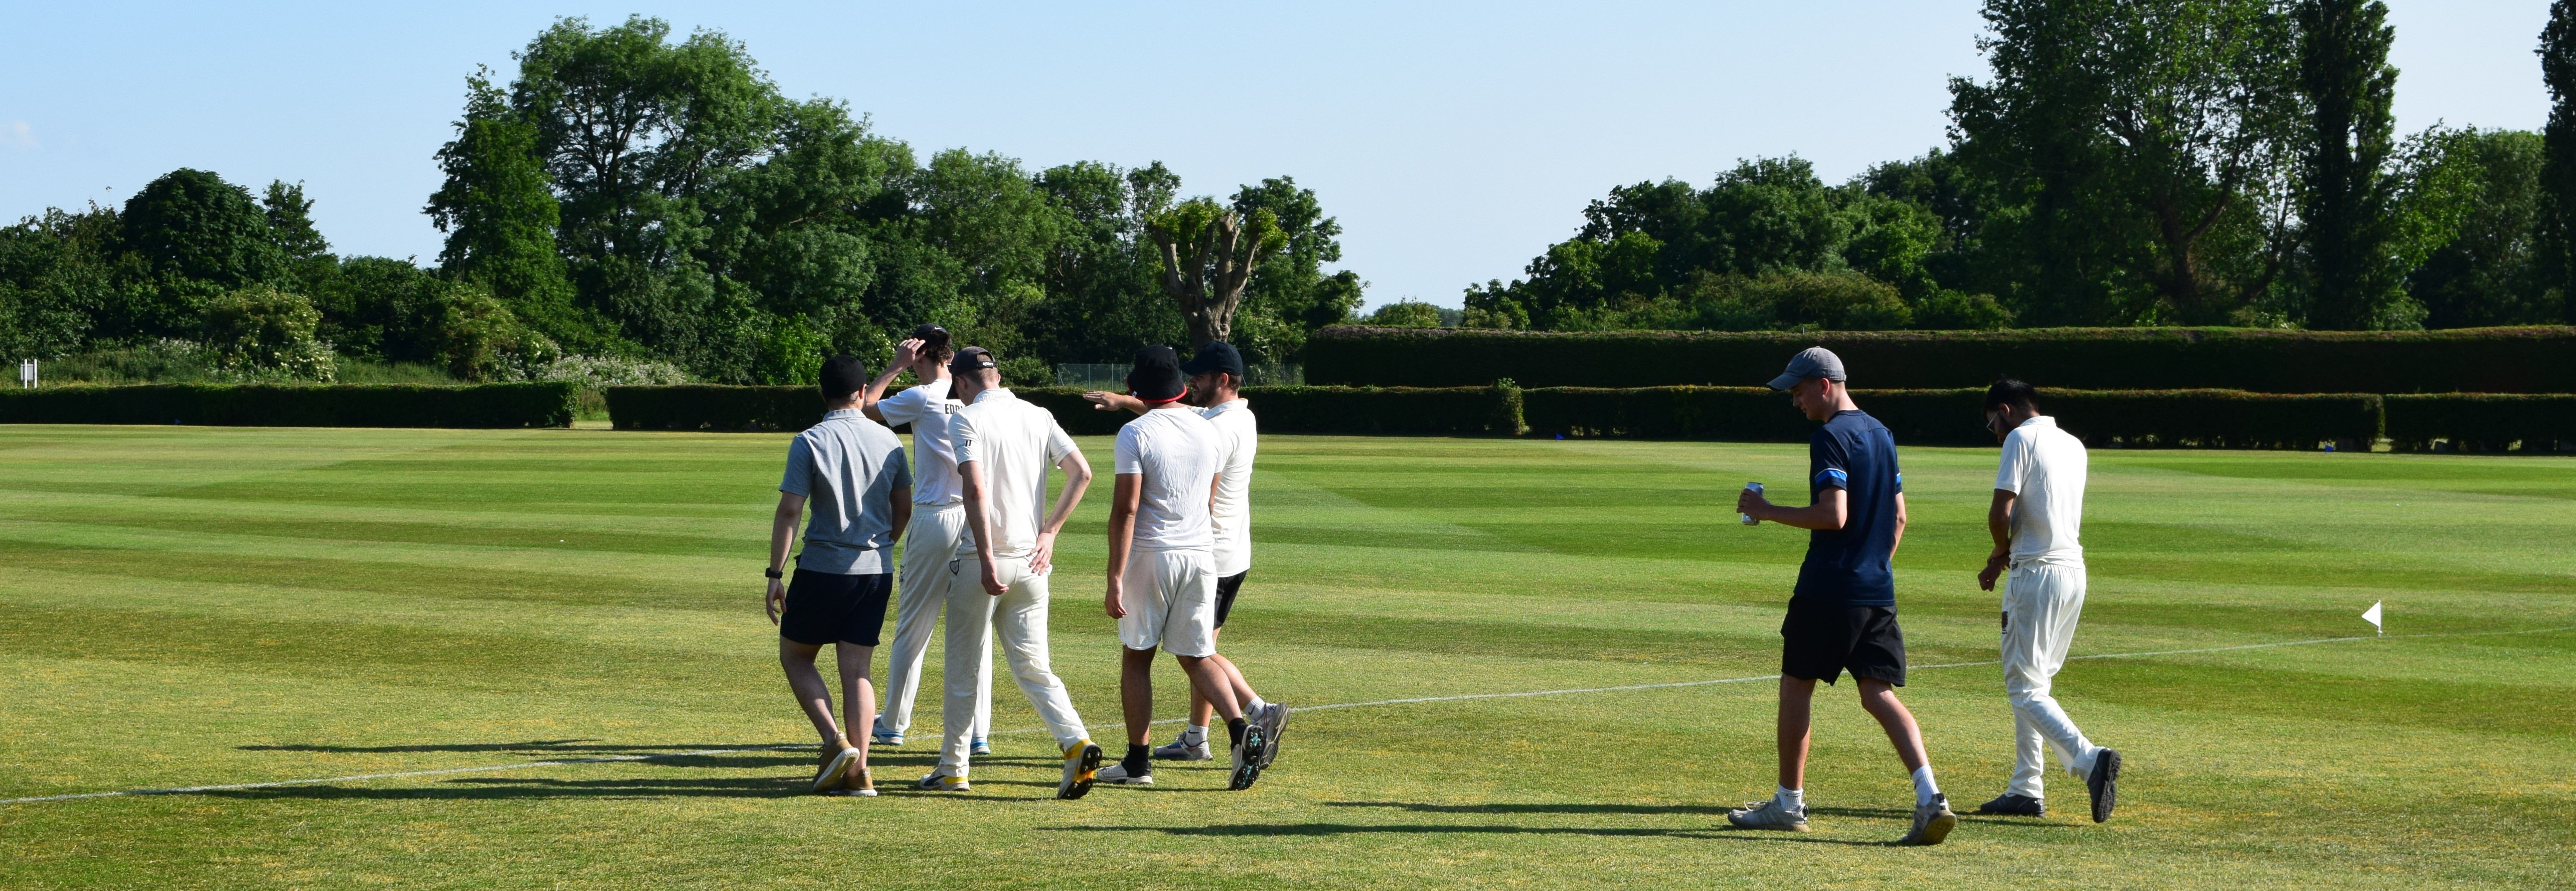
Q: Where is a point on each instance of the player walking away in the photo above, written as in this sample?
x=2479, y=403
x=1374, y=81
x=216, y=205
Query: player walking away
x=1004, y=446
x=852, y=471
x=1843, y=613
x=2037, y=515
x=1216, y=384
x=1162, y=565
x=937, y=533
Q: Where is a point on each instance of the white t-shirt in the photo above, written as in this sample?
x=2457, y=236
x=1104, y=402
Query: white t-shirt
x=928, y=409
x=2044, y=469
x=1233, y=516
x=1178, y=453
x=1011, y=443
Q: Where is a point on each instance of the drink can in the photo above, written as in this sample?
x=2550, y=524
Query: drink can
x=1755, y=488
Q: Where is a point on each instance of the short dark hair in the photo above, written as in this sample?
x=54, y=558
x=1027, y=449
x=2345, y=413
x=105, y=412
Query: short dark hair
x=843, y=376
x=935, y=342
x=2009, y=392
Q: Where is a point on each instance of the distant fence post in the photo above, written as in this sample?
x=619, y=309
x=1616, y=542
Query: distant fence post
x=27, y=374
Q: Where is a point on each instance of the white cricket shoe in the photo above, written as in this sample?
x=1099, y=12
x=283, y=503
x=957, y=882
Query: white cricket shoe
x=1182, y=750
x=1116, y=775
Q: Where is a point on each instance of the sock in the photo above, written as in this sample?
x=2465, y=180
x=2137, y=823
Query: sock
x=1924, y=788
x=1195, y=736
x=1791, y=799
x=1255, y=707
x=1139, y=760
x=1234, y=730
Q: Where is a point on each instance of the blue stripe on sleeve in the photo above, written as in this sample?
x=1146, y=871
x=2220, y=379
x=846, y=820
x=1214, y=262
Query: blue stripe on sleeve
x=1835, y=478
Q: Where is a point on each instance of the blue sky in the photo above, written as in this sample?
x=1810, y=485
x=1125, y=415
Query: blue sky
x=1453, y=141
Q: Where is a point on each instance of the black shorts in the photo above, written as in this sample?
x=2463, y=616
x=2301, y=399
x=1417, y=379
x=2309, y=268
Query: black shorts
x=824, y=608
x=1225, y=588
x=1819, y=641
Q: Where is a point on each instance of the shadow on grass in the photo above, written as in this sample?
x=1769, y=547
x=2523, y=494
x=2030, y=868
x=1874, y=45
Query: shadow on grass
x=1331, y=829
x=533, y=747
x=1538, y=808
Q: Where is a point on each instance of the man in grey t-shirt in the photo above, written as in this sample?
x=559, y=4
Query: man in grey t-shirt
x=852, y=472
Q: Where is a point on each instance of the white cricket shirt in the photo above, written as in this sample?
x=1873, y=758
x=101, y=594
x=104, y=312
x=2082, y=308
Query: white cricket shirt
x=2043, y=467
x=1233, y=515
x=1011, y=443
x=928, y=409
x=1177, y=453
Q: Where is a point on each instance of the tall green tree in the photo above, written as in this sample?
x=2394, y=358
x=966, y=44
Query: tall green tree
x=2346, y=191
x=2151, y=137
x=2557, y=230
x=1209, y=252
x=2471, y=207
x=499, y=212
x=1289, y=295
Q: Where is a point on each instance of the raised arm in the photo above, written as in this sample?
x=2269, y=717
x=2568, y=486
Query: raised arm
x=1106, y=401
x=904, y=354
x=1077, y=480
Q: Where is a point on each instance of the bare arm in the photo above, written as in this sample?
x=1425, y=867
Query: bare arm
x=782, y=530
x=979, y=523
x=1831, y=510
x=1077, y=480
x=1128, y=492
x=904, y=354
x=901, y=513
x=1998, y=525
x=1899, y=541
x=1104, y=401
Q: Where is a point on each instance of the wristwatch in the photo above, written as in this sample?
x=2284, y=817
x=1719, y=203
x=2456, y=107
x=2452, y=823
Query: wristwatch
x=772, y=572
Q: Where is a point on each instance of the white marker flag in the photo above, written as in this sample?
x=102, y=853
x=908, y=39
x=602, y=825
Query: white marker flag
x=2371, y=616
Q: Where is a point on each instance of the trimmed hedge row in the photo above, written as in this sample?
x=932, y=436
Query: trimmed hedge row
x=2132, y=418
x=2469, y=360
x=269, y=405
x=1361, y=410
x=2483, y=422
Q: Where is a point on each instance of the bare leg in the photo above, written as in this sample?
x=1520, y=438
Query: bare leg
x=813, y=694
x=1797, y=701
x=1211, y=681
x=1879, y=697
x=1200, y=710
x=1136, y=694
x=857, y=694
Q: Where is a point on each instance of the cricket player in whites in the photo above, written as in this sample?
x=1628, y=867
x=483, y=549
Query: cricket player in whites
x=1004, y=447
x=1843, y=614
x=851, y=471
x=1162, y=566
x=2037, y=513
x=937, y=532
x=1216, y=387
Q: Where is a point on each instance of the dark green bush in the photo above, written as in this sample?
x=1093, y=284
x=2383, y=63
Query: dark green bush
x=268, y=405
x=1451, y=411
x=2483, y=422
x=2137, y=418
x=2495, y=360
x=716, y=407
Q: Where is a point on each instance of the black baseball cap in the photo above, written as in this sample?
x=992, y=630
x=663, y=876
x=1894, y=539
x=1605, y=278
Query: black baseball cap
x=971, y=359
x=930, y=332
x=1157, y=376
x=1213, y=356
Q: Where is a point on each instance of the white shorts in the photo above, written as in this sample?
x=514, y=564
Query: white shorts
x=1170, y=598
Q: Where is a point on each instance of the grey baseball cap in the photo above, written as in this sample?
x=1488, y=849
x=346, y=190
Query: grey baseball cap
x=1810, y=362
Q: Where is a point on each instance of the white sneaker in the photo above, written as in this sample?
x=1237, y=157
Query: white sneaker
x=1274, y=724
x=1116, y=775
x=1768, y=814
x=1182, y=750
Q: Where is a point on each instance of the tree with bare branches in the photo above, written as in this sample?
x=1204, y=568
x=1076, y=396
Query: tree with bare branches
x=1208, y=252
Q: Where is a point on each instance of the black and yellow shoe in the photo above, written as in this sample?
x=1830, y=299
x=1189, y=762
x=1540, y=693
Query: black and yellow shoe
x=1081, y=767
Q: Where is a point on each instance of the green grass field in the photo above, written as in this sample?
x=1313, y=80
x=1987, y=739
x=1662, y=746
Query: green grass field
x=192, y=606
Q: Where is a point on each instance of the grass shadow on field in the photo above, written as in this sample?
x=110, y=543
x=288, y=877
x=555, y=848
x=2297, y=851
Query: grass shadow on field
x=1538, y=808
x=1332, y=829
x=495, y=788
x=532, y=747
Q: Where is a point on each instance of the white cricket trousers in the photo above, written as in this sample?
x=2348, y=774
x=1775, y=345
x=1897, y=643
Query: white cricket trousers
x=2042, y=600
x=1019, y=618
x=930, y=543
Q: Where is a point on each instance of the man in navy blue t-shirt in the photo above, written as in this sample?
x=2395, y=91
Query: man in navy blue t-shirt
x=1843, y=614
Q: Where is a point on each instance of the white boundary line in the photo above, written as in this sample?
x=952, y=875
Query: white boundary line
x=608, y=759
